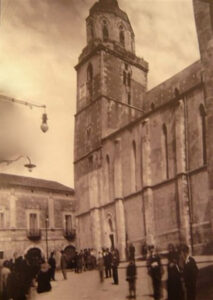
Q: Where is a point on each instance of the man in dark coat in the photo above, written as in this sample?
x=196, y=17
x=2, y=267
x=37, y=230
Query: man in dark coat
x=52, y=263
x=174, y=282
x=115, y=263
x=108, y=263
x=190, y=272
x=18, y=283
x=131, y=273
x=155, y=272
x=131, y=252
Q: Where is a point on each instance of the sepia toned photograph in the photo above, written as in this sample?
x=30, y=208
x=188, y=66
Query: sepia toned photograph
x=106, y=149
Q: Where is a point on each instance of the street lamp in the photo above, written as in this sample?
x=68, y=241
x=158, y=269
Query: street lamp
x=44, y=127
x=46, y=237
x=29, y=165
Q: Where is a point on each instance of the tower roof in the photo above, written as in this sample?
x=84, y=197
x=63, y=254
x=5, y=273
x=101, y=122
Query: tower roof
x=110, y=6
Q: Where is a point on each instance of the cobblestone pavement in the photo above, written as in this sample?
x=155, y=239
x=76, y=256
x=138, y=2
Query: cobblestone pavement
x=86, y=286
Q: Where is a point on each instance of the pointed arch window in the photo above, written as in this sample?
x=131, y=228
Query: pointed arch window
x=90, y=80
x=121, y=35
x=134, y=166
x=91, y=29
x=108, y=176
x=90, y=73
x=127, y=76
x=165, y=150
x=105, y=31
x=203, y=132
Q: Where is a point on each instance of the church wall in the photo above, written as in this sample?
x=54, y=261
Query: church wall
x=201, y=211
x=88, y=135
x=157, y=144
x=85, y=232
x=165, y=215
x=135, y=221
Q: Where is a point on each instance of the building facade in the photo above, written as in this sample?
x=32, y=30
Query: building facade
x=36, y=216
x=143, y=158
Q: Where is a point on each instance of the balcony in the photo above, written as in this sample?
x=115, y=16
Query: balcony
x=70, y=234
x=34, y=234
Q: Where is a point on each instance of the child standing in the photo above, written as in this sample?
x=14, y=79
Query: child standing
x=131, y=273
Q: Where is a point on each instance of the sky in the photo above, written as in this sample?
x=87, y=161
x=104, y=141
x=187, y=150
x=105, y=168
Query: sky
x=40, y=41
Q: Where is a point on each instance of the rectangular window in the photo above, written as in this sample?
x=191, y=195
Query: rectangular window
x=1, y=220
x=33, y=221
x=68, y=223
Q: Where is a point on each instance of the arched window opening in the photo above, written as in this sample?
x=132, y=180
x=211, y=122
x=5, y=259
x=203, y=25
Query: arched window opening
x=124, y=77
x=203, y=132
x=89, y=73
x=91, y=29
x=129, y=98
x=110, y=225
x=105, y=31
x=122, y=36
x=165, y=145
x=134, y=166
x=127, y=76
x=90, y=80
x=129, y=79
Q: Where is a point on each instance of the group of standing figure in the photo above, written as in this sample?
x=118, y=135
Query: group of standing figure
x=182, y=273
x=108, y=261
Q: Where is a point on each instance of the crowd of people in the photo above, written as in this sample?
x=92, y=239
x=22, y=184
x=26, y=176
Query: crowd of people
x=108, y=261
x=19, y=276
x=182, y=272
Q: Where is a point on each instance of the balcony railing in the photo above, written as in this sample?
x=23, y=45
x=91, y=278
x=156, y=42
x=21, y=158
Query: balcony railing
x=34, y=234
x=70, y=234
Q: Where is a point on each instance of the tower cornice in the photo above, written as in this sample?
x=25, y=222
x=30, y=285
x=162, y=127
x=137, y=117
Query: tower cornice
x=119, y=52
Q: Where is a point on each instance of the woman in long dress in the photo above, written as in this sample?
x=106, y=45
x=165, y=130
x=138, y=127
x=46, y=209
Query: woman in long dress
x=43, y=278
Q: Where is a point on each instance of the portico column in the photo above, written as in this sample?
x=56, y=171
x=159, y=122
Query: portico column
x=119, y=205
x=147, y=191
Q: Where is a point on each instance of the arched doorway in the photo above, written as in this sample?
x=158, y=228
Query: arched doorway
x=110, y=233
x=34, y=258
x=70, y=256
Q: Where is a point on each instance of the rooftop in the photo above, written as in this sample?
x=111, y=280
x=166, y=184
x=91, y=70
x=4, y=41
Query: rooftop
x=15, y=180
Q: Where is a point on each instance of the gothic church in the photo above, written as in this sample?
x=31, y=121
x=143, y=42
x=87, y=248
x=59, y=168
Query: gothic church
x=143, y=158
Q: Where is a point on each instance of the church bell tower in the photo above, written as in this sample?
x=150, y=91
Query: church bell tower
x=108, y=74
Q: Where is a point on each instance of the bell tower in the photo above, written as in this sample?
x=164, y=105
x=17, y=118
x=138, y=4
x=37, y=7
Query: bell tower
x=107, y=70
x=108, y=74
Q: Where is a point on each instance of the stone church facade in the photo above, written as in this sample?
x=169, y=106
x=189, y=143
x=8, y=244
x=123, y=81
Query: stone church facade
x=143, y=158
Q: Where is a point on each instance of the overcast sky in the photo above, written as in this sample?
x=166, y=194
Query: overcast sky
x=40, y=41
